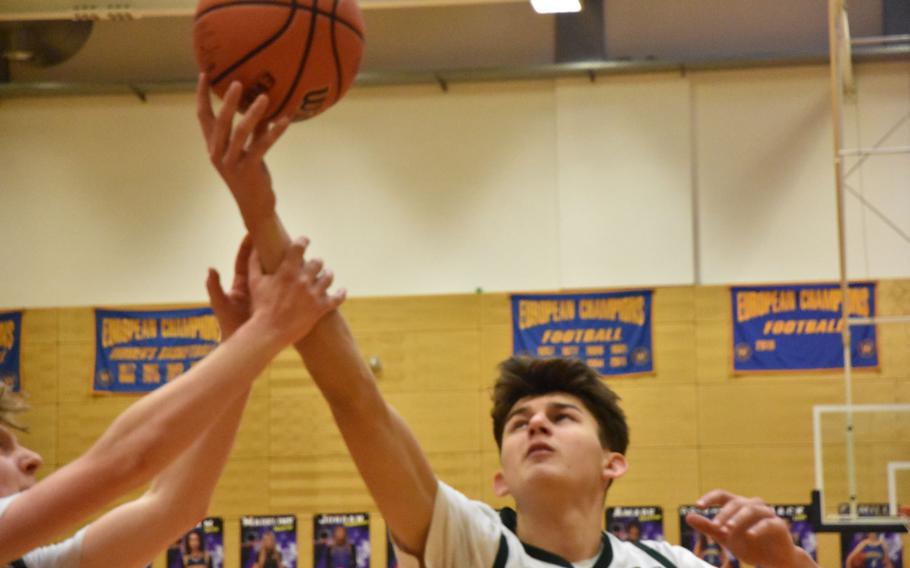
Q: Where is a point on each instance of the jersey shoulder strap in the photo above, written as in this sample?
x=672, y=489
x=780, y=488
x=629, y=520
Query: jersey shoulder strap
x=653, y=554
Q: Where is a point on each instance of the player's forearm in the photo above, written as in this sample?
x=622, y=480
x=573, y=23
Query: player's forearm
x=152, y=432
x=136, y=532
x=383, y=447
x=329, y=350
x=801, y=559
x=393, y=466
x=184, y=489
x=270, y=238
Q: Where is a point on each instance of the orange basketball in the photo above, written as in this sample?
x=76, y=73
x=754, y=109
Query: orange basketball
x=304, y=54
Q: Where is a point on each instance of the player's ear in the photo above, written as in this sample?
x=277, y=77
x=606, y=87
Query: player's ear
x=614, y=466
x=499, y=484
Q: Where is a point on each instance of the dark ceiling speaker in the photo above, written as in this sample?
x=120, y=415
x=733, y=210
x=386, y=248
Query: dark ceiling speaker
x=43, y=43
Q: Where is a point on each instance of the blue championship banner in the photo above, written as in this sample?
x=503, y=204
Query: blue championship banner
x=610, y=331
x=10, y=340
x=138, y=351
x=798, y=328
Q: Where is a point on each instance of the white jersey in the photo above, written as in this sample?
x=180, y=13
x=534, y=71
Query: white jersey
x=66, y=554
x=470, y=534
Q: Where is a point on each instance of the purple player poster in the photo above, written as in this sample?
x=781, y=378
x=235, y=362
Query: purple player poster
x=797, y=519
x=863, y=549
x=203, y=546
x=700, y=544
x=268, y=541
x=636, y=523
x=341, y=540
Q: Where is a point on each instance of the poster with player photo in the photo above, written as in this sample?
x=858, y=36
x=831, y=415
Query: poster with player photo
x=797, y=519
x=268, y=541
x=202, y=546
x=636, y=523
x=700, y=544
x=341, y=540
x=863, y=549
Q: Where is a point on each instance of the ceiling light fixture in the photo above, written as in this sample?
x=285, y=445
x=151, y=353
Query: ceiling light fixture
x=556, y=6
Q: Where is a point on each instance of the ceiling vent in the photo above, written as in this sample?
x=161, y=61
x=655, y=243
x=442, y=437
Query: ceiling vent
x=42, y=43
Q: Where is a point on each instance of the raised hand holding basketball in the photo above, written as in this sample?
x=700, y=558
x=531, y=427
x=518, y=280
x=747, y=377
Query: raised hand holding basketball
x=749, y=529
x=238, y=152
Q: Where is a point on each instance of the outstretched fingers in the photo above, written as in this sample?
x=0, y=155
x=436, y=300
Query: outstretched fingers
x=715, y=498
x=706, y=526
x=338, y=298
x=221, y=129
x=323, y=281
x=240, y=137
x=293, y=258
x=204, y=112
x=217, y=296
x=266, y=136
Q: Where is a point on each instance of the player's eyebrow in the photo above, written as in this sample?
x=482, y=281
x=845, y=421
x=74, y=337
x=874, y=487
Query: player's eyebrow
x=524, y=409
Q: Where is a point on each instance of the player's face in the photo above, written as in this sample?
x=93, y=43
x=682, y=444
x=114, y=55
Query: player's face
x=18, y=465
x=194, y=542
x=553, y=440
x=341, y=534
x=268, y=541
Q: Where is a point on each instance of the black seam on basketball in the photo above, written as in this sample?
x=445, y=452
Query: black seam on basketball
x=250, y=54
x=292, y=5
x=302, y=65
x=338, y=75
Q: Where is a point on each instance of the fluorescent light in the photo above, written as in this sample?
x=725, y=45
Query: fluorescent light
x=556, y=6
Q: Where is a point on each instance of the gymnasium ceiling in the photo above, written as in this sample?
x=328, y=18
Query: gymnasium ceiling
x=418, y=40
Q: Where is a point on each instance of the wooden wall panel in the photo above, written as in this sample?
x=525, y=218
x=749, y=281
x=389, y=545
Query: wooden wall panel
x=496, y=309
x=894, y=350
x=288, y=377
x=713, y=341
x=42, y=435
x=40, y=325
x=694, y=425
x=675, y=359
x=659, y=416
x=39, y=367
x=326, y=485
x=243, y=488
x=253, y=434
x=442, y=422
x=777, y=473
x=424, y=361
x=76, y=325
x=302, y=427
x=496, y=347
x=674, y=304
x=76, y=366
x=770, y=410
x=462, y=470
x=80, y=424
x=404, y=313
x=902, y=392
x=667, y=477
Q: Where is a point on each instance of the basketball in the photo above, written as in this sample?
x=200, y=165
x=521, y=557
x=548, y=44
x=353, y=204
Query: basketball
x=303, y=54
